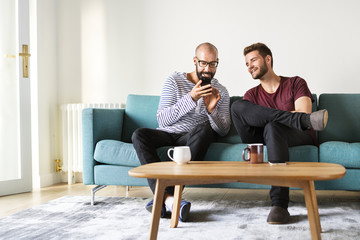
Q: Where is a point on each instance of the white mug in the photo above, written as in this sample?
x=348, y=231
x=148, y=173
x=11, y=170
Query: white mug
x=181, y=154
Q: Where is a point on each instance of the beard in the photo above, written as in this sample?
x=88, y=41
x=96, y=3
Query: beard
x=203, y=78
x=263, y=69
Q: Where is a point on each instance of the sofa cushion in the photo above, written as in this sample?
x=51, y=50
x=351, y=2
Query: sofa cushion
x=225, y=152
x=344, y=114
x=305, y=153
x=116, y=153
x=233, y=152
x=140, y=112
x=346, y=154
x=119, y=153
x=350, y=182
x=123, y=154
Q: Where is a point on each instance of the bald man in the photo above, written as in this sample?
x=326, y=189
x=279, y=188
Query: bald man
x=193, y=109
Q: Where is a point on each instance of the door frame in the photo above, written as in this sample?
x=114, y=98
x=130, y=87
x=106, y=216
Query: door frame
x=24, y=182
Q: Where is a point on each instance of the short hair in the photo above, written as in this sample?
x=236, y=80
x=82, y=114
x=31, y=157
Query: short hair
x=262, y=48
x=206, y=46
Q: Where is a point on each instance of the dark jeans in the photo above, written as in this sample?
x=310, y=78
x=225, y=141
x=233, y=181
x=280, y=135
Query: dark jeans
x=277, y=129
x=146, y=141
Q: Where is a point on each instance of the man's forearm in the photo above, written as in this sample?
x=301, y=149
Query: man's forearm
x=168, y=115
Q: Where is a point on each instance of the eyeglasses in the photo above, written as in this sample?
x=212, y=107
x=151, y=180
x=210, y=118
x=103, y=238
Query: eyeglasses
x=203, y=64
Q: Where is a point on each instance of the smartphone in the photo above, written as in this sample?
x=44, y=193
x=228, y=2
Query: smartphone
x=277, y=163
x=205, y=81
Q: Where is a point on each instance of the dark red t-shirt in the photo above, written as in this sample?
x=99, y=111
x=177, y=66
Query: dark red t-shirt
x=289, y=90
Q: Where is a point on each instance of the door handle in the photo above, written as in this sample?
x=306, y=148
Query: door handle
x=25, y=55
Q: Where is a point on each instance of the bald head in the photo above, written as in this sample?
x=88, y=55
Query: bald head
x=206, y=47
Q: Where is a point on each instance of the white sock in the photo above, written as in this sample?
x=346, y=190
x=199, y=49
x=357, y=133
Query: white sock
x=169, y=203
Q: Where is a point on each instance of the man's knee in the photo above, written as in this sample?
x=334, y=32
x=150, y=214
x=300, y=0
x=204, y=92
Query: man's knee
x=273, y=129
x=275, y=134
x=203, y=130
x=239, y=107
x=139, y=135
x=276, y=142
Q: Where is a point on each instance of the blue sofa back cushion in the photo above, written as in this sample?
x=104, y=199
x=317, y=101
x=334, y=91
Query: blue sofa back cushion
x=140, y=112
x=344, y=117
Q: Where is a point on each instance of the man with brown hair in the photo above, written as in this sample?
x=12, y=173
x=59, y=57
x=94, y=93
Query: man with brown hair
x=277, y=113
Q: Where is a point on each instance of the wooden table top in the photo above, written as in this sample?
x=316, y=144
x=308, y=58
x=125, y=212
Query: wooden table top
x=239, y=170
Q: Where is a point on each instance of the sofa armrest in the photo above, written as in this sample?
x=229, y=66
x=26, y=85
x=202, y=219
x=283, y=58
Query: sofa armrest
x=98, y=124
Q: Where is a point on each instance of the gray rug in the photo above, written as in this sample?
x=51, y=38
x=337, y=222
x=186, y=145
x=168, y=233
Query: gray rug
x=72, y=217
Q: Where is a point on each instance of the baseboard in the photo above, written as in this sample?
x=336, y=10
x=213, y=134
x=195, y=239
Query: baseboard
x=54, y=178
x=76, y=177
x=46, y=180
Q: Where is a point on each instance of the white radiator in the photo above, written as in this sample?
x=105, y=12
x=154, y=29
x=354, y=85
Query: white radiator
x=72, y=136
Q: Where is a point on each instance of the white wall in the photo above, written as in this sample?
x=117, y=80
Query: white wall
x=44, y=86
x=107, y=49
x=132, y=46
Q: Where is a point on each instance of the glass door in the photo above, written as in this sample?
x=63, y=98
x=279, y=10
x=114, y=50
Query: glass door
x=15, y=125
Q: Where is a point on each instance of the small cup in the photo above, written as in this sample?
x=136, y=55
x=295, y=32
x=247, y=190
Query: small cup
x=255, y=151
x=181, y=154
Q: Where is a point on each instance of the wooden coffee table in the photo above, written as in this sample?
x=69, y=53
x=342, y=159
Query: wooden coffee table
x=294, y=174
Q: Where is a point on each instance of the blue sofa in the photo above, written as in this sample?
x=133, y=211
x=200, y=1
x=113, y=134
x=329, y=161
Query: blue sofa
x=109, y=154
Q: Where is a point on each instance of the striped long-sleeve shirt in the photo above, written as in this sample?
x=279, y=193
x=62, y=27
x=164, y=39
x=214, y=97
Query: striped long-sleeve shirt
x=178, y=113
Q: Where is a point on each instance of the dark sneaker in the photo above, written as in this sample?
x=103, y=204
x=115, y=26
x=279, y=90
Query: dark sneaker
x=184, y=210
x=149, y=207
x=319, y=120
x=278, y=215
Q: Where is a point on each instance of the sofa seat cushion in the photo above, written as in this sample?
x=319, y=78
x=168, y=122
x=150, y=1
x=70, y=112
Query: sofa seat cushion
x=116, y=153
x=119, y=153
x=305, y=153
x=123, y=154
x=226, y=152
x=233, y=152
x=344, y=153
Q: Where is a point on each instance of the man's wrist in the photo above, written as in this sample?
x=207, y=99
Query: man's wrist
x=213, y=112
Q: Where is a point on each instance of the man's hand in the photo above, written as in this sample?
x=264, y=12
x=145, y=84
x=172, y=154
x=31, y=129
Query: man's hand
x=200, y=91
x=211, y=100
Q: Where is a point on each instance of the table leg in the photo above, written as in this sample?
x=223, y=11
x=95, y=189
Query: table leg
x=312, y=209
x=316, y=207
x=176, y=206
x=156, y=211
